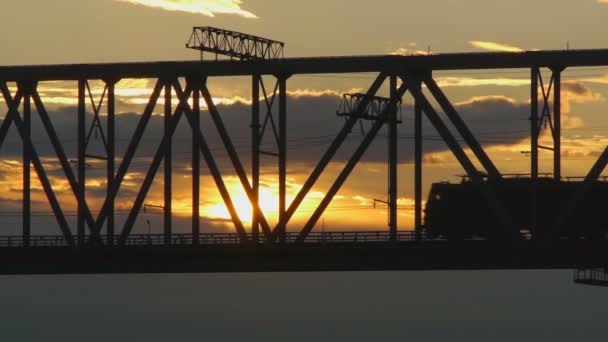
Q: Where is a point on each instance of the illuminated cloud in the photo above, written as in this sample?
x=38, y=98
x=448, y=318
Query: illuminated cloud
x=479, y=100
x=475, y=82
x=206, y=7
x=493, y=46
x=409, y=52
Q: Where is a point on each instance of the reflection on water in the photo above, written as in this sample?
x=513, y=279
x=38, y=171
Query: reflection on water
x=418, y=306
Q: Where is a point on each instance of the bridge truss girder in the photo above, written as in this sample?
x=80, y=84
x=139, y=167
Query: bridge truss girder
x=90, y=228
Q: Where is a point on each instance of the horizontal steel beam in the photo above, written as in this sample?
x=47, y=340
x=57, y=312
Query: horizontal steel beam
x=310, y=65
x=470, y=255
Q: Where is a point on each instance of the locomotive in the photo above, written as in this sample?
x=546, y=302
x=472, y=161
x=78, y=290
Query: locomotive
x=457, y=211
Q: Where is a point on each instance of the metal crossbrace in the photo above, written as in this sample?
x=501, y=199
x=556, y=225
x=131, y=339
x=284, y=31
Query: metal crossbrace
x=63, y=160
x=183, y=107
x=234, y=158
x=350, y=165
x=326, y=159
x=96, y=127
x=8, y=119
x=269, y=101
x=461, y=127
x=234, y=44
x=14, y=116
x=545, y=117
x=128, y=157
x=506, y=223
x=211, y=163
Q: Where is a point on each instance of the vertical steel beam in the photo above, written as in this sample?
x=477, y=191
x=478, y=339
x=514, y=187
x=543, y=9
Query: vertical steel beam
x=234, y=157
x=282, y=156
x=418, y=166
x=111, y=151
x=196, y=161
x=63, y=160
x=350, y=165
x=210, y=160
x=534, y=130
x=155, y=165
x=168, y=167
x=255, y=155
x=557, y=124
x=27, y=155
x=123, y=168
x=329, y=154
x=507, y=225
x=392, y=160
x=81, y=160
x=44, y=181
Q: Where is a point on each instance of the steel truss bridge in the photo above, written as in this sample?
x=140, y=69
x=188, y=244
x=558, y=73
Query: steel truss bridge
x=98, y=245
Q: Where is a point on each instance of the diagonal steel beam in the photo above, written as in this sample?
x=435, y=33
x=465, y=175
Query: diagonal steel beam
x=354, y=160
x=155, y=165
x=213, y=168
x=63, y=160
x=234, y=158
x=42, y=176
x=329, y=154
x=462, y=128
x=489, y=195
x=128, y=158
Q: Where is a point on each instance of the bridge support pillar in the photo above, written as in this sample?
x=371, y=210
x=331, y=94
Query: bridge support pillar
x=111, y=150
x=557, y=123
x=196, y=160
x=255, y=154
x=282, y=156
x=534, y=132
x=168, y=167
x=393, y=162
x=27, y=125
x=418, y=153
x=81, y=161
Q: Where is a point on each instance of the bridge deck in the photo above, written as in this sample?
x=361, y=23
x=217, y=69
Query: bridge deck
x=310, y=65
x=344, y=256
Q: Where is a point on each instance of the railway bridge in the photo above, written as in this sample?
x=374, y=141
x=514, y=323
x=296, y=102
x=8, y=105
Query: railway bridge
x=96, y=244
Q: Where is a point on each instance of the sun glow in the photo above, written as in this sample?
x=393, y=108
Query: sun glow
x=268, y=203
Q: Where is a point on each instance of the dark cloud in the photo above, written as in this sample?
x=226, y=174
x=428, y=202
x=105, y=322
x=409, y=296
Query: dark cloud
x=312, y=125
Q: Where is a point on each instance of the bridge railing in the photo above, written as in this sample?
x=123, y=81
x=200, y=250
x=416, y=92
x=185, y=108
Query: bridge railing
x=592, y=276
x=208, y=239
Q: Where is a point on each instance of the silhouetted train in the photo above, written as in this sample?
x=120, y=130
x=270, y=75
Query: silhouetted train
x=459, y=211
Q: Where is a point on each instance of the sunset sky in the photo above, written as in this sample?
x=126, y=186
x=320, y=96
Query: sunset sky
x=494, y=103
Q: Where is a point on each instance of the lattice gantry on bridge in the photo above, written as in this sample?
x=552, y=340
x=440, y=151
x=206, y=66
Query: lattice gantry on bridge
x=234, y=44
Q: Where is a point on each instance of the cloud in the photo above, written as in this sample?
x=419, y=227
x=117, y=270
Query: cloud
x=493, y=46
x=475, y=82
x=205, y=7
x=312, y=124
x=409, y=52
x=577, y=92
